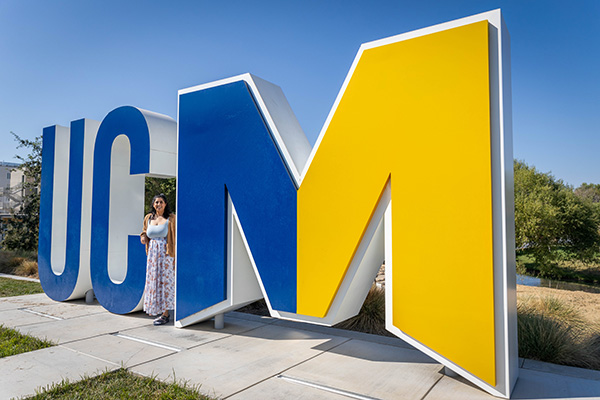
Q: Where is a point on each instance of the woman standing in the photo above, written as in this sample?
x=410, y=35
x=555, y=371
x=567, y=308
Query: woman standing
x=159, y=237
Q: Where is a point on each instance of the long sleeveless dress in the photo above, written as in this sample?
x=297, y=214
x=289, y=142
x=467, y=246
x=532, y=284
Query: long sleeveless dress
x=159, y=292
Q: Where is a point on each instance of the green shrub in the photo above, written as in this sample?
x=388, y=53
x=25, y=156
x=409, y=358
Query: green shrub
x=5, y=258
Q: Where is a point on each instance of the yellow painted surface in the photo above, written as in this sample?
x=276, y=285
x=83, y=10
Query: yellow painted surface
x=416, y=112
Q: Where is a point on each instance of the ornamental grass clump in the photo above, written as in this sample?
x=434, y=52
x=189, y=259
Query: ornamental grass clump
x=10, y=261
x=551, y=331
x=27, y=268
x=371, y=318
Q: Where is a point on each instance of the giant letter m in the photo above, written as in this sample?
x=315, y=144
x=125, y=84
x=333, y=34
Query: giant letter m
x=414, y=165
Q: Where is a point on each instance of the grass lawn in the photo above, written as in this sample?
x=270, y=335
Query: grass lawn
x=13, y=342
x=119, y=384
x=13, y=287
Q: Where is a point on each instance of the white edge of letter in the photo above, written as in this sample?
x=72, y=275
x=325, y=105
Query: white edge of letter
x=502, y=209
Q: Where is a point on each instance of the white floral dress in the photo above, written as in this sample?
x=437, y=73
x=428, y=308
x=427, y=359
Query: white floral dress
x=159, y=292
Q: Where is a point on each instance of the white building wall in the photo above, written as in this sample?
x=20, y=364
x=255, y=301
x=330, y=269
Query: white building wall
x=11, y=187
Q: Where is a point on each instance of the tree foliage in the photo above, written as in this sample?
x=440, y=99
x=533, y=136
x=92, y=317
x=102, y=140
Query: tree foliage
x=156, y=186
x=22, y=228
x=548, y=215
x=589, y=191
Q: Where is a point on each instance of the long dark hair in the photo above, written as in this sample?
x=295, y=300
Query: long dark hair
x=167, y=211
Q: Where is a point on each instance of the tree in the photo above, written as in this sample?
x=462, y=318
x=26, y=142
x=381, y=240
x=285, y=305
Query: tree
x=590, y=192
x=156, y=186
x=549, y=215
x=22, y=228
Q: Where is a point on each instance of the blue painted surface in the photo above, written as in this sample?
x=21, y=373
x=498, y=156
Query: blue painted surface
x=225, y=147
x=60, y=287
x=124, y=297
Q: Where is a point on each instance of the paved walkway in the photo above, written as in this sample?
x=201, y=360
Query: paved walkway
x=251, y=358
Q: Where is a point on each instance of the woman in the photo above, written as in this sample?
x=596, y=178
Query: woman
x=159, y=237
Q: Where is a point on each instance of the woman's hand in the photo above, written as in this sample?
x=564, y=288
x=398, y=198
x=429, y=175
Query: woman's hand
x=143, y=238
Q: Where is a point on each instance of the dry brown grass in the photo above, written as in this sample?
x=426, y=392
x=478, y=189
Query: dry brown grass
x=10, y=261
x=586, y=304
x=27, y=268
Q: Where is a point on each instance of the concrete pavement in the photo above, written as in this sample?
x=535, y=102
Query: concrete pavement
x=251, y=358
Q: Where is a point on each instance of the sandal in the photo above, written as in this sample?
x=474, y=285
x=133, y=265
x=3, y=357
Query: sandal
x=162, y=320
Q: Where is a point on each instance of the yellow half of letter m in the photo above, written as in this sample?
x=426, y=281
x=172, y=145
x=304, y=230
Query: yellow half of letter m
x=414, y=118
x=414, y=165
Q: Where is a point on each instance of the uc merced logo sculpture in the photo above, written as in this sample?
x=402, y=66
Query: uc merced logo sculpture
x=413, y=165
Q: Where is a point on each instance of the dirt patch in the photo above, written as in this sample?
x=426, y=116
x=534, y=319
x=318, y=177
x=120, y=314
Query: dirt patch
x=587, y=304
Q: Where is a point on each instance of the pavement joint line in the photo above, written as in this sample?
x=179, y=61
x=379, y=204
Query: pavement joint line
x=432, y=386
x=89, y=355
x=288, y=368
x=313, y=357
x=143, y=375
x=226, y=335
x=41, y=314
x=148, y=342
x=57, y=318
x=210, y=341
x=79, y=339
x=326, y=388
x=131, y=366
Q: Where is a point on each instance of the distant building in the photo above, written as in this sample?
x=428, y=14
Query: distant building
x=11, y=191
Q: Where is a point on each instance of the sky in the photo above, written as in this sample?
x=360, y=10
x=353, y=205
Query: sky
x=61, y=61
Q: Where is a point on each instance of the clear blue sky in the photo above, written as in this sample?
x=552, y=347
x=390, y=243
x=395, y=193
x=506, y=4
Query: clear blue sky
x=65, y=60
